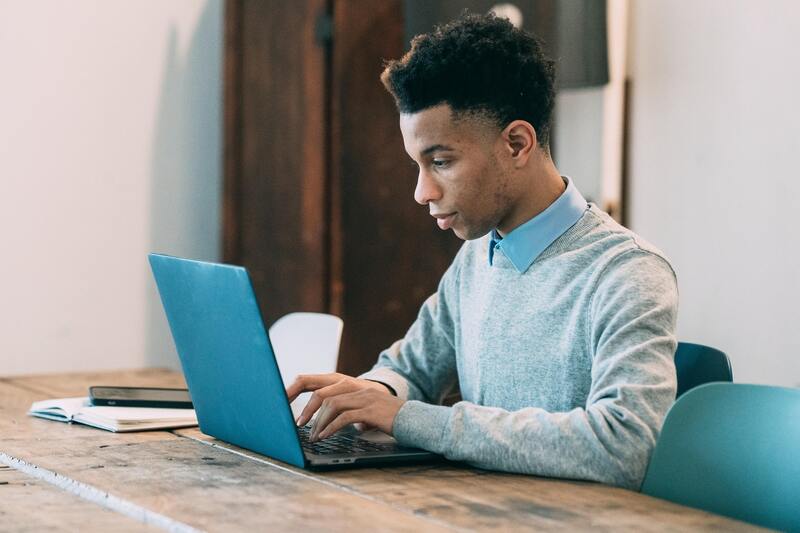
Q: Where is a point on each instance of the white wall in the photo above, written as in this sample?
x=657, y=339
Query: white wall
x=714, y=171
x=110, y=147
x=589, y=123
x=578, y=150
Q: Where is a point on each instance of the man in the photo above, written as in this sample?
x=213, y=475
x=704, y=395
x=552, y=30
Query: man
x=556, y=322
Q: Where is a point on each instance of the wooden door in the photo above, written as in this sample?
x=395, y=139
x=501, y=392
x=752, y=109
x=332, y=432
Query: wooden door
x=318, y=189
x=389, y=252
x=275, y=212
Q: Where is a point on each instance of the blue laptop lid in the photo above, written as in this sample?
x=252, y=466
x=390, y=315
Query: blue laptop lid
x=226, y=356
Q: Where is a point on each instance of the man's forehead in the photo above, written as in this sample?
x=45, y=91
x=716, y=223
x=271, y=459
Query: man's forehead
x=427, y=125
x=439, y=127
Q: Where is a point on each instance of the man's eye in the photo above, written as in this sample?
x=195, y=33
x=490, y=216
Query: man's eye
x=440, y=163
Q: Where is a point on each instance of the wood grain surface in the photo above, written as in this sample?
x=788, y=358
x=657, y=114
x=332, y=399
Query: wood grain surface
x=195, y=484
x=203, y=483
x=28, y=504
x=470, y=498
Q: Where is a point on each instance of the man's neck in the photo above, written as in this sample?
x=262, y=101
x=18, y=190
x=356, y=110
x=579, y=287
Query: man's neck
x=541, y=189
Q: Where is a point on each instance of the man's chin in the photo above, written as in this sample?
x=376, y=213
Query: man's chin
x=467, y=234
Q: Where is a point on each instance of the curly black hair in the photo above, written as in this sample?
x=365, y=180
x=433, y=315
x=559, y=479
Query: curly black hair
x=477, y=64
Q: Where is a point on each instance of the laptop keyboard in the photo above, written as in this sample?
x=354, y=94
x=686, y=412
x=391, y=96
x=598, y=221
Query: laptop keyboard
x=341, y=444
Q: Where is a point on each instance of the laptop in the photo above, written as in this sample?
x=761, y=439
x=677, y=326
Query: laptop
x=233, y=377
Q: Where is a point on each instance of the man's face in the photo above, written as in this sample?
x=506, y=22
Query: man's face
x=461, y=175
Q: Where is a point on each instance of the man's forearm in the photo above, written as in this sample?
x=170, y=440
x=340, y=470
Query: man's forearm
x=603, y=443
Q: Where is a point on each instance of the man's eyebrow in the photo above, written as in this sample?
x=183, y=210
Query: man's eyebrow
x=436, y=148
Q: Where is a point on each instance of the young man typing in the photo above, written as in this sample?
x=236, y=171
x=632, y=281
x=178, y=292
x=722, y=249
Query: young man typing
x=556, y=323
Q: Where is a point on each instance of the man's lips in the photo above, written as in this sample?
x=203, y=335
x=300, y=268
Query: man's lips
x=444, y=220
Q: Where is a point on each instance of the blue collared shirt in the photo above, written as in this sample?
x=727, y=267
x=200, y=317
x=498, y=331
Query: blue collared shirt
x=524, y=244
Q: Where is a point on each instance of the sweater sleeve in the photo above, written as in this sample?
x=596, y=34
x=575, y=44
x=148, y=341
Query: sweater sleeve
x=422, y=365
x=610, y=439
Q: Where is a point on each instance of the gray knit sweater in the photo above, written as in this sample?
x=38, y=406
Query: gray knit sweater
x=565, y=370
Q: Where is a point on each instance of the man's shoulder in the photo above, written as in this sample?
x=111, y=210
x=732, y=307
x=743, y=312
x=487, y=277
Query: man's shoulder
x=611, y=241
x=620, y=252
x=595, y=242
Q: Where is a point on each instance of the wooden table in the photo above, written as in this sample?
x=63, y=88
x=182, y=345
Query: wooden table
x=68, y=477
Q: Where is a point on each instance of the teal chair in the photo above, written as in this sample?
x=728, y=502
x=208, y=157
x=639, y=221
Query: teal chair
x=734, y=450
x=697, y=364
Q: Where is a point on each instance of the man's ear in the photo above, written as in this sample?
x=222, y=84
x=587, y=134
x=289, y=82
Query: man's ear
x=520, y=141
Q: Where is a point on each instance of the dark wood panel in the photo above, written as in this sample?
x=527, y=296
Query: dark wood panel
x=232, y=138
x=318, y=190
x=280, y=201
x=391, y=254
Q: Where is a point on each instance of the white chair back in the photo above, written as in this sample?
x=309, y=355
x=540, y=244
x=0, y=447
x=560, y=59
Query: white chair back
x=305, y=343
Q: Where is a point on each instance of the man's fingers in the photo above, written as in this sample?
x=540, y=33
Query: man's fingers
x=333, y=407
x=348, y=417
x=320, y=395
x=303, y=383
x=309, y=382
x=323, y=417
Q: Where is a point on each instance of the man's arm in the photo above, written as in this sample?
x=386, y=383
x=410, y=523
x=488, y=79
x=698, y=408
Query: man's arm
x=420, y=366
x=633, y=315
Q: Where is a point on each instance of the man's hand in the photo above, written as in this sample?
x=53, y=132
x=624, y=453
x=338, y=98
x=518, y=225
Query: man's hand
x=344, y=400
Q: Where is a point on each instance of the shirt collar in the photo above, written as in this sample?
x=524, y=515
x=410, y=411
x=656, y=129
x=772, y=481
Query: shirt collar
x=526, y=242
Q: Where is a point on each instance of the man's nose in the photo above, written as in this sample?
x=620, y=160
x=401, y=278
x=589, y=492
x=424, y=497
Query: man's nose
x=427, y=190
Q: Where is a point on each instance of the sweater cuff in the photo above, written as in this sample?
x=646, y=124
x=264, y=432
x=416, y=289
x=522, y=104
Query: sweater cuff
x=421, y=425
x=388, y=377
